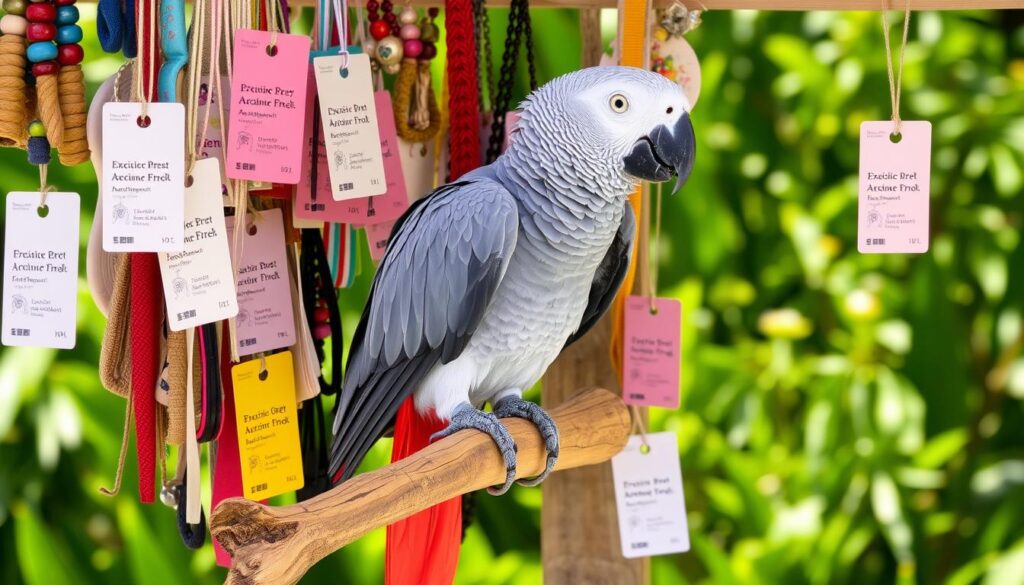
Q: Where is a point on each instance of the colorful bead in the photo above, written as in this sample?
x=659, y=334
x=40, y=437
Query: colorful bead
x=40, y=31
x=321, y=331
x=413, y=48
x=409, y=31
x=38, y=150
x=321, y=314
x=433, y=11
x=12, y=24
x=15, y=7
x=70, y=54
x=429, y=51
x=66, y=15
x=379, y=29
x=45, y=68
x=429, y=32
x=408, y=15
x=69, y=34
x=372, y=5
x=41, y=13
x=65, y=2
x=36, y=128
x=389, y=51
x=44, y=51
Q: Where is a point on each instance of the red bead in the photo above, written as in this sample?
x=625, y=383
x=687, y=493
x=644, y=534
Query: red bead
x=321, y=331
x=45, y=68
x=433, y=11
x=372, y=5
x=40, y=31
x=65, y=2
x=321, y=315
x=70, y=54
x=41, y=12
x=379, y=29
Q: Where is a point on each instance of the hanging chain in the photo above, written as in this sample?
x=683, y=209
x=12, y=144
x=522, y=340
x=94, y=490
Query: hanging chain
x=518, y=24
x=482, y=24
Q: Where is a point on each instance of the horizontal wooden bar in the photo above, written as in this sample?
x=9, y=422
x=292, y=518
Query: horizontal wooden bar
x=788, y=5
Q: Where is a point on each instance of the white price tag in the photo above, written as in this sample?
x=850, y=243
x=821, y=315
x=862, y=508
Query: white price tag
x=40, y=270
x=143, y=177
x=649, y=497
x=199, y=285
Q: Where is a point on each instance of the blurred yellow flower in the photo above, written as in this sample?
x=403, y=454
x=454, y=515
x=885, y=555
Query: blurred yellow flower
x=784, y=324
x=862, y=305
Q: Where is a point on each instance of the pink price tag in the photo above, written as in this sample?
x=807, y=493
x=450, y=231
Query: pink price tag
x=265, y=321
x=321, y=206
x=377, y=236
x=895, y=188
x=268, y=91
x=652, y=359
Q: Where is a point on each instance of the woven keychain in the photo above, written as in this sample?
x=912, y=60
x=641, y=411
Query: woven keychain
x=417, y=118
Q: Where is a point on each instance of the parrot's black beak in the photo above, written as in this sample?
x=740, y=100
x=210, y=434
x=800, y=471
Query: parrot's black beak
x=663, y=153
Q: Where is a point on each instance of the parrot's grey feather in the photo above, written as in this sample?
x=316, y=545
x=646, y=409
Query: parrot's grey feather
x=609, y=275
x=444, y=262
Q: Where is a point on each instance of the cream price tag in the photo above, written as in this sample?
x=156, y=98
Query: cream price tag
x=264, y=320
x=268, y=89
x=199, y=285
x=348, y=112
x=895, y=188
x=143, y=177
x=40, y=270
x=649, y=497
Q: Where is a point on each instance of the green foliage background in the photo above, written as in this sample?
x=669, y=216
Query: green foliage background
x=845, y=419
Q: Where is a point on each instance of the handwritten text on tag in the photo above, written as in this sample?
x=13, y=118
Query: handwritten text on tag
x=143, y=177
x=40, y=270
x=895, y=188
x=649, y=497
x=199, y=285
x=651, y=359
x=267, y=94
x=264, y=320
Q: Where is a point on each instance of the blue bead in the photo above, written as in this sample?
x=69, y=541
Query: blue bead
x=38, y=150
x=66, y=15
x=41, y=51
x=70, y=34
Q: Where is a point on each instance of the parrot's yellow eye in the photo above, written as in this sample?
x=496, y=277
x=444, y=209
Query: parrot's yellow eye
x=619, y=103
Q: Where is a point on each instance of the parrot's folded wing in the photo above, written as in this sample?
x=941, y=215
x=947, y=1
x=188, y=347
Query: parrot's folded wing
x=609, y=275
x=444, y=262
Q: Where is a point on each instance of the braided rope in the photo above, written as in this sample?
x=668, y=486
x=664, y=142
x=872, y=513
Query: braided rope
x=463, y=104
x=415, y=78
x=71, y=83
x=13, y=117
x=48, y=109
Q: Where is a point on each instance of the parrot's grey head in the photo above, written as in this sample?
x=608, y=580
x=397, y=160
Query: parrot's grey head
x=636, y=121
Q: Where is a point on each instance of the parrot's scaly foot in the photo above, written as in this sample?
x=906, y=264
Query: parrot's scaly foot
x=467, y=417
x=514, y=406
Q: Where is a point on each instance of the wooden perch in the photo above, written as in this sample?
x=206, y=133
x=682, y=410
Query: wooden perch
x=277, y=545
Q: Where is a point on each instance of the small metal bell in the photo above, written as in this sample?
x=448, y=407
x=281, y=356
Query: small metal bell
x=169, y=496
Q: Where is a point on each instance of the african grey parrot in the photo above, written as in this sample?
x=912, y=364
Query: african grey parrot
x=487, y=279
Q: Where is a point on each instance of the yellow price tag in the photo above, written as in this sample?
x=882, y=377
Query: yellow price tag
x=268, y=430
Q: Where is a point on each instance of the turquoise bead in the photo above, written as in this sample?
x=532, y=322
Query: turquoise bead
x=43, y=51
x=66, y=15
x=70, y=34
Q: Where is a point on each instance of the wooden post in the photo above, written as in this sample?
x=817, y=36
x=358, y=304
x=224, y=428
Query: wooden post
x=579, y=529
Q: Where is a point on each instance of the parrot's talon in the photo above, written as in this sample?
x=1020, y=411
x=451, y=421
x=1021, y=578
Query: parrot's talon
x=467, y=417
x=514, y=406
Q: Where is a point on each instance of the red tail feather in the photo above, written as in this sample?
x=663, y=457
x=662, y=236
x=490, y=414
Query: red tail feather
x=423, y=549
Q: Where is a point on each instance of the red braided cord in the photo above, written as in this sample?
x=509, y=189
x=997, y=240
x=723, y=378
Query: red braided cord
x=146, y=310
x=463, y=107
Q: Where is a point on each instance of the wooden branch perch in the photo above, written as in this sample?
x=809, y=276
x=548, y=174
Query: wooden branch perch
x=271, y=545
